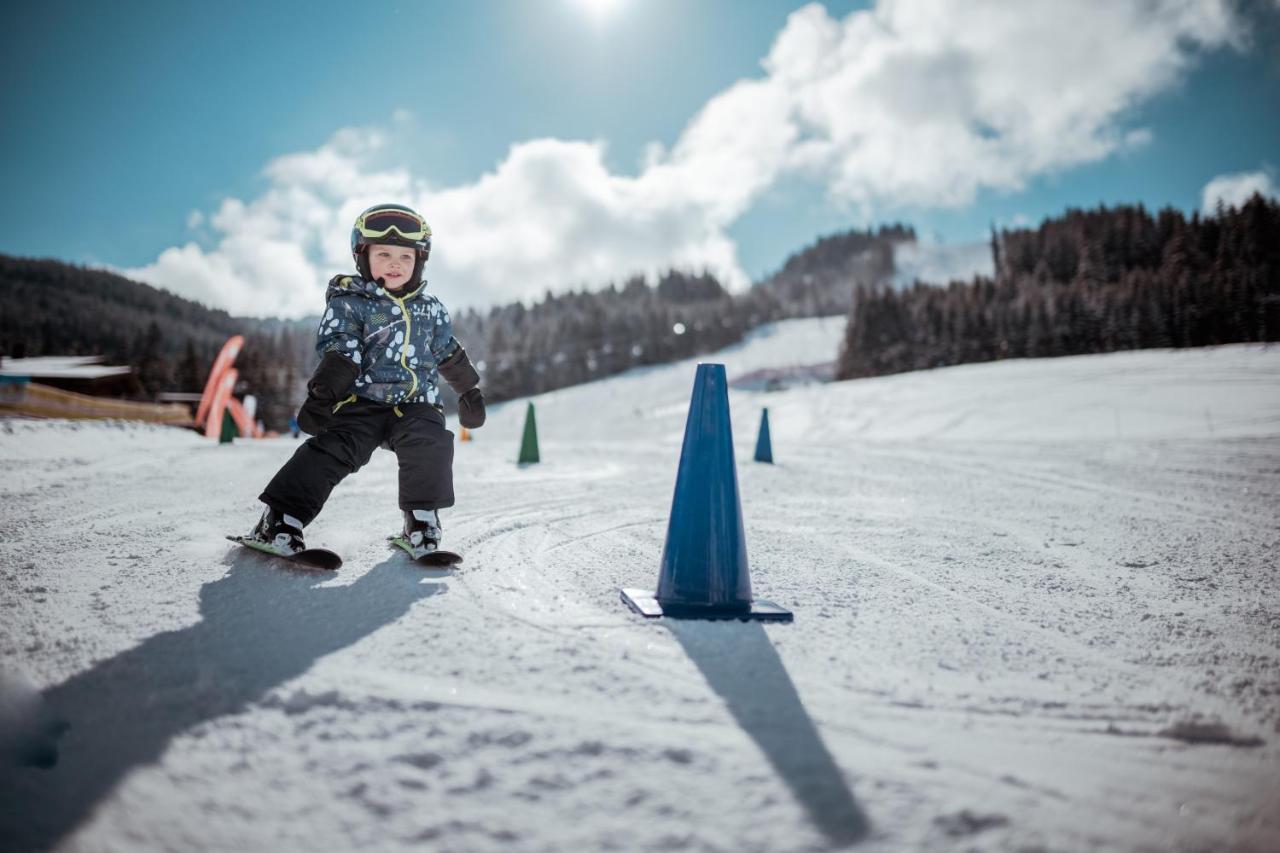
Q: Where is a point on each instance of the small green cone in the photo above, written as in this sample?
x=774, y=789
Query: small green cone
x=529, y=443
x=229, y=429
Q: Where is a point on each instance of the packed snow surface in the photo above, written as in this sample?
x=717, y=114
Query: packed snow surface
x=1036, y=608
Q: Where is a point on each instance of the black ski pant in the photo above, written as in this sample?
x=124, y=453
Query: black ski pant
x=416, y=434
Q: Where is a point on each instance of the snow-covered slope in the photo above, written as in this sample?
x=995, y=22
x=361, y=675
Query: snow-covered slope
x=1035, y=608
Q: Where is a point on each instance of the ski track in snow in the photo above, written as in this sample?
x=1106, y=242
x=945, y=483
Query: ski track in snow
x=1035, y=608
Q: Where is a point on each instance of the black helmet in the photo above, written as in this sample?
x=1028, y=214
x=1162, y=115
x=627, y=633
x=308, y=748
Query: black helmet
x=390, y=224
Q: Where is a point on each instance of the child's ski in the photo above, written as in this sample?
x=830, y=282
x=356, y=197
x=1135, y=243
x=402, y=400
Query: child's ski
x=311, y=558
x=431, y=558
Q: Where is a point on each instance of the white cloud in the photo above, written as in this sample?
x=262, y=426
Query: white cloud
x=274, y=254
x=927, y=102
x=911, y=103
x=552, y=216
x=941, y=263
x=549, y=217
x=244, y=276
x=1235, y=189
x=1140, y=137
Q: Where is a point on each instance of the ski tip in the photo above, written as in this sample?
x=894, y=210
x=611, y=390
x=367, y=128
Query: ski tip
x=318, y=559
x=437, y=559
x=440, y=559
x=311, y=558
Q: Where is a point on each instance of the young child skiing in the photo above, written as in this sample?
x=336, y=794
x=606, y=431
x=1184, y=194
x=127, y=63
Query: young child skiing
x=383, y=342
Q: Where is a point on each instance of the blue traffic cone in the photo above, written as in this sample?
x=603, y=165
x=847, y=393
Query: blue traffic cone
x=704, y=572
x=764, y=450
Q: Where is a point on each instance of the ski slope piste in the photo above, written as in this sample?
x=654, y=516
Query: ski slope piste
x=1033, y=607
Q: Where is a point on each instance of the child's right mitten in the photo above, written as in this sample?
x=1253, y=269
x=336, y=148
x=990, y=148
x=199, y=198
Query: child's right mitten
x=330, y=384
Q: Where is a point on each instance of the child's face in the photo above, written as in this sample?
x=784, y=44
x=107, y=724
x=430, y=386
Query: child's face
x=392, y=264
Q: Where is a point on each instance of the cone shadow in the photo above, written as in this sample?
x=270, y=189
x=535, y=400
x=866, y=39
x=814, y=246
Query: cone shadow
x=742, y=666
x=261, y=626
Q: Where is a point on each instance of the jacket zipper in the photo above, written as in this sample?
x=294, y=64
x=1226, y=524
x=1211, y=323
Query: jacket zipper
x=404, y=351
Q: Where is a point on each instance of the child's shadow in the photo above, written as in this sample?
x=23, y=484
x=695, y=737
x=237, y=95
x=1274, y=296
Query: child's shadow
x=262, y=625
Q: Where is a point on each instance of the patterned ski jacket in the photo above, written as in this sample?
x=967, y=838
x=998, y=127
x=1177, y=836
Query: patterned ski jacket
x=395, y=340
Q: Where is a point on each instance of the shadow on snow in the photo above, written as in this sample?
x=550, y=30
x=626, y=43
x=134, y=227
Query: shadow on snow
x=261, y=626
x=741, y=665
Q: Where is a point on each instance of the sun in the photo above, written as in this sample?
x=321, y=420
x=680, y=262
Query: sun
x=599, y=10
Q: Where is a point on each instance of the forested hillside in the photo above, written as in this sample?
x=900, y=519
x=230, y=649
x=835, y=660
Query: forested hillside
x=576, y=337
x=51, y=308
x=1089, y=281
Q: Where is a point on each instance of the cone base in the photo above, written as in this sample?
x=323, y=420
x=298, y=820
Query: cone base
x=643, y=602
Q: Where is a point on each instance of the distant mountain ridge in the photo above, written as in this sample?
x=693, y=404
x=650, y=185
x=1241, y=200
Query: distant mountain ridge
x=820, y=280
x=1086, y=281
x=49, y=307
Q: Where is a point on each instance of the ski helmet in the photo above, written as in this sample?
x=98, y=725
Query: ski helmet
x=390, y=224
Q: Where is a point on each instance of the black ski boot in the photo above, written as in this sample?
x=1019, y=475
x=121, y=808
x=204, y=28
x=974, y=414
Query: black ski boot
x=422, y=530
x=282, y=533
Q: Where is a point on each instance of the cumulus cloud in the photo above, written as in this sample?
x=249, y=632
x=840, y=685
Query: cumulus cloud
x=941, y=263
x=926, y=102
x=273, y=254
x=912, y=103
x=551, y=216
x=1235, y=189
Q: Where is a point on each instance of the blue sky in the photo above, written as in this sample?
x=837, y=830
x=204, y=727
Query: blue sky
x=142, y=136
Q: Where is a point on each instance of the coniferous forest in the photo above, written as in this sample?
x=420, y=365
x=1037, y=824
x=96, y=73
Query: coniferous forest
x=1088, y=281
x=577, y=337
x=52, y=308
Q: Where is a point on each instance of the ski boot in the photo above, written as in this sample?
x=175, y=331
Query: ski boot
x=279, y=532
x=422, y=531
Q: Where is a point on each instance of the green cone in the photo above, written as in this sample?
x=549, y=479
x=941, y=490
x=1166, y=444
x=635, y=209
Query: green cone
x=229, y=428
x=529, y=444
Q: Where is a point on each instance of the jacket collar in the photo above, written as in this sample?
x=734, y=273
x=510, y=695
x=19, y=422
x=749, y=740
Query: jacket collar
x=365, y=287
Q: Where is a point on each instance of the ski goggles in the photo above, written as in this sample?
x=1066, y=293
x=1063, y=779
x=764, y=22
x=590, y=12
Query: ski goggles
x=380, y=223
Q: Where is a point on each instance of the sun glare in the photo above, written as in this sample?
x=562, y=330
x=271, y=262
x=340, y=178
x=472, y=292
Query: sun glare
x=599, y=10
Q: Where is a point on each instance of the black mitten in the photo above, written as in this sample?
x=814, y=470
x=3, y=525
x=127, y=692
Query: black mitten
x=333, y=377
x=462, y=377
x=315, y=416
x=330, y=383
x=471, y=409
